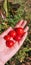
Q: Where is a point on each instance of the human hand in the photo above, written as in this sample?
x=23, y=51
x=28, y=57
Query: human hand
x=7, y=53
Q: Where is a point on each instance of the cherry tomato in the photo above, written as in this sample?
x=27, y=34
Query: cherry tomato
x=9, y=43
x=20, y=31
x=7, y=37
x=17, y=38
x=12, y=33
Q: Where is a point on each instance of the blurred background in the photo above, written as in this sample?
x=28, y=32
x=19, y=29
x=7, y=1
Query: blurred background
x=17, y=10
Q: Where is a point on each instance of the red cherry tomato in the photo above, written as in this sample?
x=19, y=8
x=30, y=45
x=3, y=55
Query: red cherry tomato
x=12, y=33
x=17, y=38
x=9, y=43
x=20, y=31
x=7, y=37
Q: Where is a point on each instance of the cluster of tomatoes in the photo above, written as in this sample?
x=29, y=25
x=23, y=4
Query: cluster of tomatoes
x=16, y=34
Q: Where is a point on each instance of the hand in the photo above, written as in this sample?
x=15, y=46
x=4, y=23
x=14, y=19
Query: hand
x=7, y=53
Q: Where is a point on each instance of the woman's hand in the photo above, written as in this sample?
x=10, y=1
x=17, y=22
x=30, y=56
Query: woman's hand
x=7, y=53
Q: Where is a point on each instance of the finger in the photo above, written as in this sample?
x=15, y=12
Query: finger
x=6, y=32
x=24, y=24
x=26, y=29
x=22, y=40
x=19, y=23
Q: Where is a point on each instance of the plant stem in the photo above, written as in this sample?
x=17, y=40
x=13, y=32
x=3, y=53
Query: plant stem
x=5, y=6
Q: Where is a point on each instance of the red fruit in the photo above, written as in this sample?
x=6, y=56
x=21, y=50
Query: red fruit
x=7, y=37
x=20, y=31
x=12, y=33
x=9, y=43
x=17, y=38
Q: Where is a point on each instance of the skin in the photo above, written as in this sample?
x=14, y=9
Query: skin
x=7, y=53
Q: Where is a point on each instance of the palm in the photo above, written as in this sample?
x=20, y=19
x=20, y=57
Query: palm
x=7, y=53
